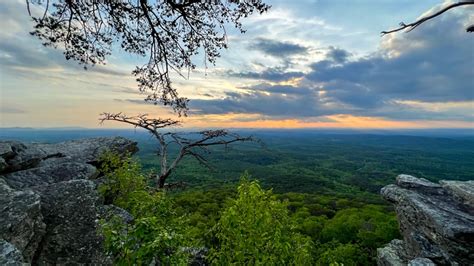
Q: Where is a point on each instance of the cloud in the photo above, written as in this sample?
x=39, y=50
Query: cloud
x=338, y=55
x=439, y=68
x=278, y=48
x=266, y=99
x=20, y=52
x=269, y=74
x=10, y=110
x=429, y=66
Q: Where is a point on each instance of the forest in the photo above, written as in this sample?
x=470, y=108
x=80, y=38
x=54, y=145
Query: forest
x=328, y=183
x=320, y=190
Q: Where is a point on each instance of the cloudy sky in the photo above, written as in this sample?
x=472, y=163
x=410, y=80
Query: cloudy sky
x=314, y=63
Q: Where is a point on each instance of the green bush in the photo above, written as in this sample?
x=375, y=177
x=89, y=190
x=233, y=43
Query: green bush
x=156, y=234
x=123, y=177
x=257, y=230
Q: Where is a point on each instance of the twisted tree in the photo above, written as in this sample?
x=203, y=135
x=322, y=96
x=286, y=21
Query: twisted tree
x=411, y=26
x=165, y=32
x=193, y=144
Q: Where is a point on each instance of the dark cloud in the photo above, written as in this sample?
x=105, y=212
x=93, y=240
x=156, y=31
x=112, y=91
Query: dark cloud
x=278, y=48
x=338, y=55
x=275, y=74
x=260, y=103
x=266, y=99
x=137, y=101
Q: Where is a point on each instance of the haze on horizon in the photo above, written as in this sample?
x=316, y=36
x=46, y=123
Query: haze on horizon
x=304, y=64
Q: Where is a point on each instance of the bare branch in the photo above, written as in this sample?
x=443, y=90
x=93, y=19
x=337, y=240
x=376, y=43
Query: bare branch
x=142, y=121
x=409, y=27
x=192, y=144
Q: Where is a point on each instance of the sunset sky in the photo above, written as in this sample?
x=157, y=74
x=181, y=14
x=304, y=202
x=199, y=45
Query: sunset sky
x=319, y=63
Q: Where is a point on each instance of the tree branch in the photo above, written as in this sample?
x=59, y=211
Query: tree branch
x=417, y=23
x=194, y=145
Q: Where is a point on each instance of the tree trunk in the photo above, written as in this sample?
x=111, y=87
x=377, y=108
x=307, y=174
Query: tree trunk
x=162, y=179
x=161, y=182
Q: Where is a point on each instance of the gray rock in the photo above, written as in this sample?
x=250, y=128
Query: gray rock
x=421, y=184
x=21, y=222
x=3, y=164
x=109, y=211
x=435, y=225
x=23, y=156
x=421, y=262
x=49, y=204
x=393, y=254
x=71, y=212
x=50, y=173
x=9, y=254
x=6, y=150
x=89, y=150
x=462, y=191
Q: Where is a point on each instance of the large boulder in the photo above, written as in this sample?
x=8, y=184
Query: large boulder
x=436, y=221
x=49, y=201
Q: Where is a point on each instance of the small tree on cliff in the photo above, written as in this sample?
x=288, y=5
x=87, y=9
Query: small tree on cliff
x=167, y=33
x=195, y=144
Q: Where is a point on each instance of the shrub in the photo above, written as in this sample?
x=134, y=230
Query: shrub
x=123, y=177
x=257, y=230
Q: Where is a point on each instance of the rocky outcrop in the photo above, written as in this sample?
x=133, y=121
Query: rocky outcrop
x=49, y=201
x=436, y=221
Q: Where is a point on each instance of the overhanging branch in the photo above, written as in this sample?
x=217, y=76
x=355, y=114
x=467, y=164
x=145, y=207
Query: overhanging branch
x=409, y=27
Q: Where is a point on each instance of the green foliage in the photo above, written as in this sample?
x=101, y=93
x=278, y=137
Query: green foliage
x=370, y=226
x=157, y=233
x=335, y=253
x=250, y=226
x=158, y=238
x=352, y=236
x=202, y=209
x=348, y=166
x=257, y=230
x=123, y=177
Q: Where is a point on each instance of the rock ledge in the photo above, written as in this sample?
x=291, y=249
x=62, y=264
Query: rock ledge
x=436, y=222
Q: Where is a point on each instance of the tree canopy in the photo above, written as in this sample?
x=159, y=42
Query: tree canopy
x=167, y=33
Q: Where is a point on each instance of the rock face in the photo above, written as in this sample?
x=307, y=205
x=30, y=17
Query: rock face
x=49, y=203
x=436, y=221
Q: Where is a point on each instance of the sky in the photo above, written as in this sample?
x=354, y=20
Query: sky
x=303, y=64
